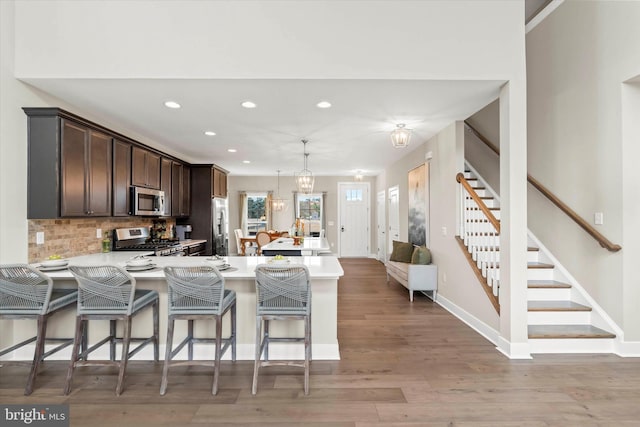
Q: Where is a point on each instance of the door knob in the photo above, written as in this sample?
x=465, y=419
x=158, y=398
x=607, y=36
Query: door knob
x=342, y=229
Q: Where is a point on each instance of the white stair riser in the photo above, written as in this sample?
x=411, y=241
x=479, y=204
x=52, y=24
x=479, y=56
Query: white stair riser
x=532, y=256
x=573, y=345
x=482, y=193
x=540, y=274
x=559, y=317
x=547, y=294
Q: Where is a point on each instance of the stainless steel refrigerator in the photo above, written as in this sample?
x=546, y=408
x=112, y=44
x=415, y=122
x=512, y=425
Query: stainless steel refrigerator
x=220, y=222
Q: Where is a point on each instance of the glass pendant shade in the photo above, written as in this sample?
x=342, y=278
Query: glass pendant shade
x=400, y=136
x=278, y=203
x=304, y=178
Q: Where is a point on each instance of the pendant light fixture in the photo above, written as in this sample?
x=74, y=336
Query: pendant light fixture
x=304, y=178
x=278, y=203
x=400, y=136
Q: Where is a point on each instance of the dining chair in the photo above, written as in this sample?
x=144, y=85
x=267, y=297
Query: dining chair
x=198, y=293
x=108, y=292
x=262, y=238
x=282, y=293
x=241, y=244
x=26, y=293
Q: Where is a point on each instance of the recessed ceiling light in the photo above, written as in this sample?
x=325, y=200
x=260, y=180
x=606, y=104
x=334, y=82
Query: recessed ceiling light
x=249, y=104
x=246, y=161
x=172, y=104
x=210, y=133
x=323, y=104
x=232, y=150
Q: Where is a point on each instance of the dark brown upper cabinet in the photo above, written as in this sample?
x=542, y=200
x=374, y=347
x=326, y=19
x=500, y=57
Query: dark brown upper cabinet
x=121, y=178
x=219, y=184
x=86, y=171
x=180, y=190
x=145, y=169
x=165, y=183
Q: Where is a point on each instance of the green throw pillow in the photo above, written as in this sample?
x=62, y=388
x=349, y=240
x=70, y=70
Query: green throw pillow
x=402, y=252
x=421, y=255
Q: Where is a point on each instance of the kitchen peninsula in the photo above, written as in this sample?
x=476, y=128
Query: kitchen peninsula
x=324, y=272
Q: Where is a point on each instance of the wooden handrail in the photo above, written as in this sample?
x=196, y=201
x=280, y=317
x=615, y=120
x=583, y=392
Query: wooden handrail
x=492, y=219
x=603, y=241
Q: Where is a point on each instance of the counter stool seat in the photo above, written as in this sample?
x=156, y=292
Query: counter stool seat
x=26, y=293
x=108, y=292
x=198, y=293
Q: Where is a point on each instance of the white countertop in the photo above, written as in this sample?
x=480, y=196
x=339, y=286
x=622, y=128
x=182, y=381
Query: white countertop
x=325, y=267
x=309, y=243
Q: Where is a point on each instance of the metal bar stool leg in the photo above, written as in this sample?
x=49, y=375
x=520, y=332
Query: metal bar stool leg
x=190, y=335
x=256, y=363
x=112, y=341
x=216, y=372
x=233, y=331
x=307, y=352
x=167, y=355
x=156, y=331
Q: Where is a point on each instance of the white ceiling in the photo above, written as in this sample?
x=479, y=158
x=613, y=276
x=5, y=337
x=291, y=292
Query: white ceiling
x=352, y=135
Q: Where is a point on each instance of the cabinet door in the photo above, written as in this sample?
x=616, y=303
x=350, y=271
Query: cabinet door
x=176, y=192
x=186, y=191
x=121, y=178
x=99, y=174
x=138, y=167
x=153, y=170
x=223, y=184
x=73, y=160
x=165, y=184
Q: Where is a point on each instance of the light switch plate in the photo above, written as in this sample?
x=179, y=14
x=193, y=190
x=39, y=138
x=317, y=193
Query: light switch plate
x=40, y=238
x=99, y=233
x=598, y=218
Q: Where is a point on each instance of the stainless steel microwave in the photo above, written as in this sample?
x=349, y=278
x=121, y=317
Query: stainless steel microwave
x=147, y=202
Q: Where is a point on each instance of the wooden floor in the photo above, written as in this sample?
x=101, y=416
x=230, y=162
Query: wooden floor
x=402, y=364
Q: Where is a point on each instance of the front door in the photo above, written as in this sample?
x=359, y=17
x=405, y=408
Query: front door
x=353, y=227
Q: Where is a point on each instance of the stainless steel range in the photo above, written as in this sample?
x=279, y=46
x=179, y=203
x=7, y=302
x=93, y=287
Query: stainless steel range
x=138, y=239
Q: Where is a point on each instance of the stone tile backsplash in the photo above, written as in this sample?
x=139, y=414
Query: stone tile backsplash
x=76, y=236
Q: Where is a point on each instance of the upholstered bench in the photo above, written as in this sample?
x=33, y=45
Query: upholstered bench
x=419, y=275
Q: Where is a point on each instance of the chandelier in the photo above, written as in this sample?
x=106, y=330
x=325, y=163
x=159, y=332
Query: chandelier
x=304, y=178
x=278, y=203
x=400, y=136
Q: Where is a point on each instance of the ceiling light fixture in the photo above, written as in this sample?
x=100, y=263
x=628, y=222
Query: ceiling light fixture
x=232, y=150
x=249, y=104
x=172, y=104
x=210, y=133
x=323, y=104
x=278, y=203
x=400, y=136
x=304, y=179
x=246, y=161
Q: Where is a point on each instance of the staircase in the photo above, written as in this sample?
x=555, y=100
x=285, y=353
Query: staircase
x=562, y=318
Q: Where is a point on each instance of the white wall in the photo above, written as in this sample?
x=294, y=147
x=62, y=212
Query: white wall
x=482, y=158
x=577, y=60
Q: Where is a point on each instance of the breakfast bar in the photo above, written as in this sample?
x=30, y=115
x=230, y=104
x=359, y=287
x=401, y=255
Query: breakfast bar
x=286, y=246
x=240, y=277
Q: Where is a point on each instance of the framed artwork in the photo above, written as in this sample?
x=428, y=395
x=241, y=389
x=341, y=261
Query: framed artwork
x=419, y=205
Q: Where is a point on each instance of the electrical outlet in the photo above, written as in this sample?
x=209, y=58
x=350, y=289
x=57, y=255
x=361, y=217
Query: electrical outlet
x=40, y=238
x=444, y=277
x=444, y=231
x=99, y=233
x=598, y=218
x=330, y=224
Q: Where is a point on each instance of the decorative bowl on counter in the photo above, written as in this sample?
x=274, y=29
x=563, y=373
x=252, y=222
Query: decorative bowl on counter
x=216, y=262
x=54, y=262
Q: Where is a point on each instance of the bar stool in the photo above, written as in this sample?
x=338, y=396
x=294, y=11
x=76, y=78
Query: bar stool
x=108, y=292
x=282, y=293
x=26, y=293
x=198, y=293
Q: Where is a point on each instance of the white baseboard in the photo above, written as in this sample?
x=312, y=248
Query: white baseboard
x=473, y=322
x=514, y=350
x=627, y=348
x=277, y=351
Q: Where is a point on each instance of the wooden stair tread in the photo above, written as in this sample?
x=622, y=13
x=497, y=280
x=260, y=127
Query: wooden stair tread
x=568, y=331
x=547, y=284
x=556, y=306
x=539, y=265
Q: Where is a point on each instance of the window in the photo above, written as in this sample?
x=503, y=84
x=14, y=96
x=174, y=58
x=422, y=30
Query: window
x=256, y=213
x=310, y=210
